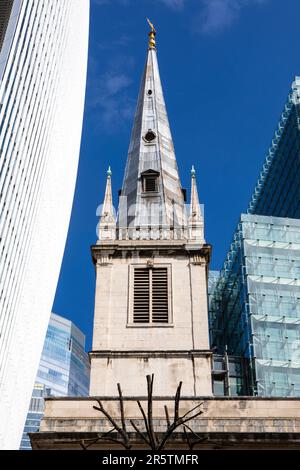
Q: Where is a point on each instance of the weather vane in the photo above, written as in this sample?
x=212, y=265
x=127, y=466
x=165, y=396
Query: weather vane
x=151, y=25
x=152, y=35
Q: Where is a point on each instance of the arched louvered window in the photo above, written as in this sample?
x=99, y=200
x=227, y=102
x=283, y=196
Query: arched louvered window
x=150, y=295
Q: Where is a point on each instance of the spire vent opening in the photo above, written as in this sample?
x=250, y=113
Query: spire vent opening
x=150, y=184
x=149, y=92
x=150, y=181
x=150, y=136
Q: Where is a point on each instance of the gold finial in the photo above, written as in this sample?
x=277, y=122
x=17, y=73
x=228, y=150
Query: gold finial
x=152, y=35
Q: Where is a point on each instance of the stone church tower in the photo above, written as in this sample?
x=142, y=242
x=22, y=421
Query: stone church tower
x=151, y=264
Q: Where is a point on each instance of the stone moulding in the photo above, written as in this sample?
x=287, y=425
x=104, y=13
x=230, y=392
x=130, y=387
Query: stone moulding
x=146, y=354
x=104, y=253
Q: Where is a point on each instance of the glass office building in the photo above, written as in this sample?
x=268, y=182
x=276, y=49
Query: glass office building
x=64, y=370
x=212, y=282
x=277, y=192
x=43, y=64
x=229, y=375
x=255, y=304
x=34, y=415
x=213, y=278
x=255, y=310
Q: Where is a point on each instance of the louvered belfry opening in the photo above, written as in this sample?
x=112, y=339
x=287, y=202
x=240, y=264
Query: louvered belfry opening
x=150, y=299
x=150, y=184
x=160, y=295
x=141, y=297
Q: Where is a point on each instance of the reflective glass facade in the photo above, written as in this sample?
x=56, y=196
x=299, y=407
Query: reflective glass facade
x=229, y=375
x=64, y=370
x=35, y=414
x=255, y=305
x=212, y=282
x=255, y=310
x=277, y=191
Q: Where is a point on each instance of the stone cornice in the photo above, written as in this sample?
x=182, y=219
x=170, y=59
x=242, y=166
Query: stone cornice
x=182, y=399
x=198, y=253
x=150, y=354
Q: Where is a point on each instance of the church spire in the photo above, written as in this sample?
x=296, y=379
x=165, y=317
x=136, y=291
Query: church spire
x=196, y=224
x=151, y=194
x=107, y=224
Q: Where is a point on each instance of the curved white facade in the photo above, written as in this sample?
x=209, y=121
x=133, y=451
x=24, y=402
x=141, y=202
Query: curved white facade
x=43, y=66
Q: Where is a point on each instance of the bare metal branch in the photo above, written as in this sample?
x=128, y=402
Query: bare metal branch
x=191, y=417
x=167, y=416
x=125, y=441
x=140, y=433
x=121, y=407
x=144, y=416
x=177, y=399
x=125, y=435
x=175, y=425
x=107, y=415
x=188, y=440
x=94, y=441
x=152, y=436
x=195, y=407
x=199, y=438
x=82, y=445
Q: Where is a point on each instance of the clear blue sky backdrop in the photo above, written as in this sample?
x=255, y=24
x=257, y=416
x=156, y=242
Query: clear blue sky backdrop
x=226, y=68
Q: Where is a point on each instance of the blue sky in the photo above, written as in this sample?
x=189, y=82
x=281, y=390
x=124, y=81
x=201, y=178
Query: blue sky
x=226, y=68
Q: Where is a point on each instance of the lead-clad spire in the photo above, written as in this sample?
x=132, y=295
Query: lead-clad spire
x=151, y=195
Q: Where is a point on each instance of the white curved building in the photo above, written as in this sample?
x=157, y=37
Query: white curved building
x=43, y=63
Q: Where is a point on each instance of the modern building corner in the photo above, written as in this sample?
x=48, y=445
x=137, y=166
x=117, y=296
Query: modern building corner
x=43, y=67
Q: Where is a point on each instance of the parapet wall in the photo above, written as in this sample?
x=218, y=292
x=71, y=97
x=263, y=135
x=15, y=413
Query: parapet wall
x=239, y=422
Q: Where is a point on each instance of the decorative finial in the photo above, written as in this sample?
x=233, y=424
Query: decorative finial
x=109, y=173
x=152, y=35
x=193, y=172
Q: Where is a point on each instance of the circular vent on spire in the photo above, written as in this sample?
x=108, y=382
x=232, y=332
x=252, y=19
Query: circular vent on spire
x=150, y=136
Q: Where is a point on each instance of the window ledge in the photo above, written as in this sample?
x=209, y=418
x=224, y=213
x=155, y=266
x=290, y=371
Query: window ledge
x=150, y=193
x=150, y=325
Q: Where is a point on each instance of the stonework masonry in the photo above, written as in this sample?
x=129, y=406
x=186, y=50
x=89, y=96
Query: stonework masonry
x=126, y=352
x=226, y=423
